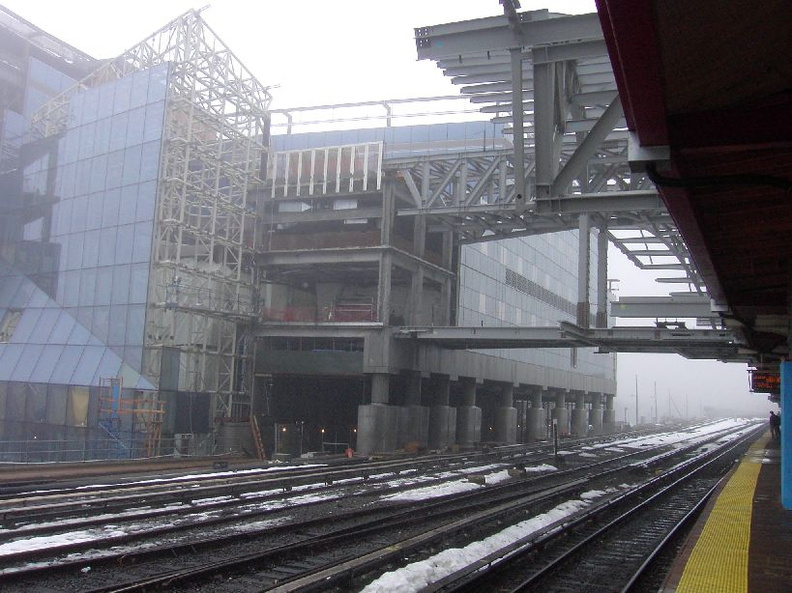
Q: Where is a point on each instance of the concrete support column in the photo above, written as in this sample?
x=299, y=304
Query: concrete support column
x=378, y=428
x=584, y=271
x=414, y=422
x=536, y=419
x=602, y=276
x=609, y=415
x=442, y=417
x=468, y=425
x=580, y=416
x=417, y=313
x=384, y=287
x=380, y=388
x=596, y=416
x=506, y=416
x=560, y=414
x=414, y=389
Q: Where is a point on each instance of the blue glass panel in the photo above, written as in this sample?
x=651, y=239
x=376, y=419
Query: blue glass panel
x=121, y=280
x=155, y=113
x=109, y=366
x=104, y=285
x=136, y=324
x=107, y=246
x=101, y=323
x=124, y=244
x=61, y=218
x=40, y=299
x=93, y=220
x=9, y=356
x=126, y=214
x=110, y=205
x=9, y=287
x=133, y=356
x=67, y=173
x=25, y=325
x=137, y=118
x=79, y=335
x=26, y=362
x=48, y=360
x=86, y=142
x=71, y=288
x=102, y=138
x=86, y=368
x=87, y=287
x=147, y=194
x=34, y=99
x=132, y=165
x=75, y=252
x=149, y=161
x=44, y=325
x=64, y=369
x=115, y=168
x=157, y=90
x=82, y=178
x=106, y=97
x=98, y=173
x=123, y=89
x=116, y=334
x=118, y=131
x=90, y=107
x=138, y=287
x=142, y=247
x=91, y=248
x=79, y=214
x=22, y=295
x=140, y=83
x=62, y=328
x=76, y=104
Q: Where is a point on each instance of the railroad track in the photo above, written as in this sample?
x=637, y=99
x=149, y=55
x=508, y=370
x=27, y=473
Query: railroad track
x=360, y=539
x=623, y=544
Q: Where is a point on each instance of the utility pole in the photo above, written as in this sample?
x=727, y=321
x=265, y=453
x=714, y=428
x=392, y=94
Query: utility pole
x=657, y=412
x=636, y=400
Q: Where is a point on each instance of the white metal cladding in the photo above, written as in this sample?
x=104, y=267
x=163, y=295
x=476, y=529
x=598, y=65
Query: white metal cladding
x=344, y=169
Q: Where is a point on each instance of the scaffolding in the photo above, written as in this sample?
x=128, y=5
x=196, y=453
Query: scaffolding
x=133, y=424
x=215, y=142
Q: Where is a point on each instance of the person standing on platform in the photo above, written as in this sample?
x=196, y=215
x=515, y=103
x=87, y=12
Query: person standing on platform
x=775, y=425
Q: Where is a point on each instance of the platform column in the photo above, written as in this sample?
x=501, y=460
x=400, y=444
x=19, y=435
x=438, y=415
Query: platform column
x=468, y=416
x=595, y=414
x=580, y=416
x=506, y=416
x=536, y=421
x=786, y=435
x=442, y=417
x=560, y=414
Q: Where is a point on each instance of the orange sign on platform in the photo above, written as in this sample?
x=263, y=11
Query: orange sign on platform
x=765, y=382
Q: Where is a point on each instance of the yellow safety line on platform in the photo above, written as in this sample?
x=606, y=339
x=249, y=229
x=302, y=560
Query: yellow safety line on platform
x=719, y=560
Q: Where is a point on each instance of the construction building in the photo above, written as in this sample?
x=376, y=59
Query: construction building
x=178, y=278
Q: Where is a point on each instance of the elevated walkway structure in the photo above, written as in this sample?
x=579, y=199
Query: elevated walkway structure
x=690, y=343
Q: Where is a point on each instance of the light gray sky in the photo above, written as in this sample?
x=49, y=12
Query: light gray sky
x=316, y=52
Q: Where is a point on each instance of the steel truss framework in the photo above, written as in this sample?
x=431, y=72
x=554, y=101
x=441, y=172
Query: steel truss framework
x=556, y=69
x=216, y=131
